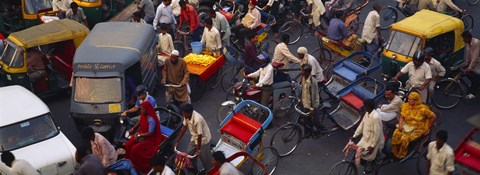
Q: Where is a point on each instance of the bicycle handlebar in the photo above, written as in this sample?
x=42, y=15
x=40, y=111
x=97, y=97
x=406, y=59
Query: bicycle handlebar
x=300, y=111
x=188, y=155
x=173, y=85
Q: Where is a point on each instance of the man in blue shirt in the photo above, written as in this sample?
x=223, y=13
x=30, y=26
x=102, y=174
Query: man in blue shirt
x=337, y=30
x=142, y=95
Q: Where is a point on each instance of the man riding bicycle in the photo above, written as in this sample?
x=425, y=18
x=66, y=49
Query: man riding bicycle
x=419, y=74
x=175, y=72
x=265, y=78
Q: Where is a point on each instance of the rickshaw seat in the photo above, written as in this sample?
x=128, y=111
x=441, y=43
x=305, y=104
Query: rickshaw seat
x=241, y=127
x=469, y=155
x=356, y=97
x=166, y=131
x=349, y=70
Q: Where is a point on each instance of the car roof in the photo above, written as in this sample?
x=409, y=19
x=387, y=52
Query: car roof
x=429, y=24
x=115, y=42
x=18, y=104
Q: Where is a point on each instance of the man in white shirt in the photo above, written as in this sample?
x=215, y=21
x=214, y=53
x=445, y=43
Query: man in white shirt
x=165, y=16
x=159, y=166
x=265, y=78
x=310, y=99
x=389, y=113
x=148, y=9
x=165, y=42
x=137, y=17
x=371, y=30
x=61, y=7
x=440, y=157
x=200, y=132
x=318, y=9
x=211, y=36
x=225, y=168
x=284, y=56
x=76, y=13
x=472, y=65
x=442, y=6
x=419, y=74
x=438, y=70
x=249, y=23
x=221, y=23
x=18, y=167
x=317, y=71
x=176, y=7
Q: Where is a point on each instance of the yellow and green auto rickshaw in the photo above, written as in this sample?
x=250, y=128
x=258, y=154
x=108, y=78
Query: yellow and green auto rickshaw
x=17, y=15
x=423, y=29
x=100, y=10
x=54, y=44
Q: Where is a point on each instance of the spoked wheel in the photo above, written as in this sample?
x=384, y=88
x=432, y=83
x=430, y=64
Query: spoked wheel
x=283, y=110
x=268, y=156
x=326, y=61
x=472, y=2
x=197, y=87
x=468, y=22
x=343, y=168
x=222, y=112
x=214, y=81
x=447, y=94
x=236, y=43
x=180, y=48
x=292, y=28
x=388, y=16
x=286, y=139
x=230, y=77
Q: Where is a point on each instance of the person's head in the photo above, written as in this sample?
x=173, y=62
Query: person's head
x=136, y=16
x=306, y=69
x=81, y=152
x=167, y=2
x=467, y=37
x=369, y=105
x=428, y=54
x=182, y=4
x=88, y=134
x=74, y=7
x=414, y=99
x=219, y=158
x=264, y=60
x=8, y=158
x=418, y=58
x=212, y=13
x=251, y=37
x=339, y=14
x=377, y=7
x=252, y=4
x=146, y=108
x=141, y=92
x=389, y=93
x=187, y=110
x=286, y=38
x=158, y=163
x=163, y=29
x=174, y=56
x=441, y=138
x=208, y=22
x=301, y=52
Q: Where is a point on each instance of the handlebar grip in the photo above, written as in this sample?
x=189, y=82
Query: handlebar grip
x=188, y=155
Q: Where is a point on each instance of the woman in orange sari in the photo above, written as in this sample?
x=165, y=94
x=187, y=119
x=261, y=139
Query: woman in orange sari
x=144, y=144
x=416, y=120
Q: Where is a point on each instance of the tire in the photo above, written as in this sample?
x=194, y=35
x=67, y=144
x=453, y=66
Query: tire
x=197, y=87
x=422, y=162
x=472, y=2
x=222, y=113
x=447, y=94
x=388, y=16
x=267, y=156
x=214, y=81
x=284, y=136
x=343, y=168
x=284, y=108
x=292, y=28
x=229, y=78
x=326, y=61
x=468, y=22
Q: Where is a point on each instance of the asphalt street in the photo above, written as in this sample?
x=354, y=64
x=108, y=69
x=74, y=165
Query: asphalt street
x=312, y=156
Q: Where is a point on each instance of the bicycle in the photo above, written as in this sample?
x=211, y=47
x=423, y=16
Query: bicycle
x=180, y=161
x=181, y=42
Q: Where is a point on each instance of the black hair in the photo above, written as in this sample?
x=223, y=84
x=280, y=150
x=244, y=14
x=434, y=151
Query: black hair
x=88, y=133
x=390, y=88
x=137, y=14
x=7, y=157
x=306, y=67
x=211, y=11
x=467, y=34
x=339, y=13
x=73, y=5
x=208, y=21
x=285, y=37
x=157, y=160
x=369, y=104
x=376, y=4
x=186, y=107
x=442, y=134
x=219, y=156
x=163, y=27
x=182, y=3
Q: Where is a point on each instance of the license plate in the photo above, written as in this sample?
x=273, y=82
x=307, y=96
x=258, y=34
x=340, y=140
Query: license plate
x=113, y=108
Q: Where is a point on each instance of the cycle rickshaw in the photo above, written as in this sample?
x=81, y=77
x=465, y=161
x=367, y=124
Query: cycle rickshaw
x=467, y=153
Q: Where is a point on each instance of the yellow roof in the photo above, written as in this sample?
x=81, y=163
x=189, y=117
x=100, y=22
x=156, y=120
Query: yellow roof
x=428, y=24
x=52, y=32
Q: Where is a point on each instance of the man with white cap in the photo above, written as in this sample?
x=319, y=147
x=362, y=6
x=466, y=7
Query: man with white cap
x=317, y=71
x=175, y=72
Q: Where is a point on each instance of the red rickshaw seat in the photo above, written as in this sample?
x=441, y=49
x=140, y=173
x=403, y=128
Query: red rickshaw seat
x=241, y=127
x=353, y=100
x=469, y=155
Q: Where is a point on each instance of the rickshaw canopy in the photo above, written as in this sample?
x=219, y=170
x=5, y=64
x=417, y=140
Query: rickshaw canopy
x=52, y=32
x=427, y=24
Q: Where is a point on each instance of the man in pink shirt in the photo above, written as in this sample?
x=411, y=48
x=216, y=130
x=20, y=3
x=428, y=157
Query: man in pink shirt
x=190, y=15
x=101, y=147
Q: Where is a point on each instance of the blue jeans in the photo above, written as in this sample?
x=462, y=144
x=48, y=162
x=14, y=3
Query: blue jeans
x=196, y=34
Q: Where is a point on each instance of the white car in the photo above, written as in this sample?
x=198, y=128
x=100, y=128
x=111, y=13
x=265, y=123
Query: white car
x=29, y=132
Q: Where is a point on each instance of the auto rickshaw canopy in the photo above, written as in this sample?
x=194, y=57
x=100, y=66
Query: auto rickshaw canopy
x=427, y=24
x=52, y=32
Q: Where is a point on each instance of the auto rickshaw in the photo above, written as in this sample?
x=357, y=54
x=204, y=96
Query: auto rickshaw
x=114, y=59
x=56, y=42
x=20, y=14
x=423, y=29
x=100, y=10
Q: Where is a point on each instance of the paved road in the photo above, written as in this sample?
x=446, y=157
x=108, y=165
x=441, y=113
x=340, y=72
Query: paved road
x=312, y=156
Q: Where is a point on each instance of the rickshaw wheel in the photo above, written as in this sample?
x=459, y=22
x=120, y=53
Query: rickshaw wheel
x=286, y=139
x=283, y=109
x=197, y=87
x=388, y=16
x=230, y=77
x=468, y=22
x=222, y=112
x=326, y=61
x=214, y=81
x=268, y=156
x=291, y=28
x=344, y=168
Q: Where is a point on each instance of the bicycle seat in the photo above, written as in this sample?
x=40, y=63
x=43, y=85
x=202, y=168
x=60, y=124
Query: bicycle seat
x=277, y=64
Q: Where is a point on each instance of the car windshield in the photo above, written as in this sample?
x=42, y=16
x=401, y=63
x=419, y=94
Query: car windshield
x=403, y=43
x=12, y=56
x=33, y=6
x=27, y=132
x=98, y=90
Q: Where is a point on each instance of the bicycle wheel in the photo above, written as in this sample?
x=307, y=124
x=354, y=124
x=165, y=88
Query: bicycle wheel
x=180, y=48
x=447, y=94
x=222, y=113
x=422, y=162
x=197, y=87
x=467, y=22
x=388, y=16
x=343, y=168
x=292, y=28
x=472, y=2
x=286, y=139
x=326, y=61
x=214, y=80
x=284, y=108
x=267, y=156
x=230, y=77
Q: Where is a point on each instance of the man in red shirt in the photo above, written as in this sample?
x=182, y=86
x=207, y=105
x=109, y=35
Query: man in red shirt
x=189, y=15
